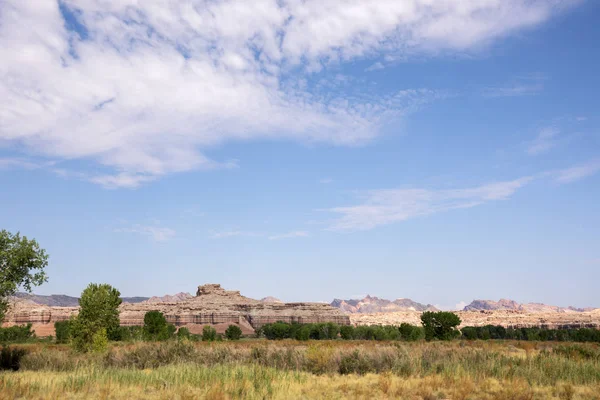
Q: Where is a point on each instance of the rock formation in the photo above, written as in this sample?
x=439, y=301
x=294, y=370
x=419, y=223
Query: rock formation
x=212, y=305
x=61, y=300
x=169, y=298
x=505, y=304
x=506, y=318
x=270, y=299
x=371, y=304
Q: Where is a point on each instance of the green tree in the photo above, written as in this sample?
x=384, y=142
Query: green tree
x=347, y=332
x=22, y=264
x=63, y=331
x=441, y=325
x=156, y=326
x=209, y=334
x=99, y=310
x=233, y=332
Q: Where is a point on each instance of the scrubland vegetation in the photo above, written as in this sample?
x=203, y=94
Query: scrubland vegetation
x=320, y=369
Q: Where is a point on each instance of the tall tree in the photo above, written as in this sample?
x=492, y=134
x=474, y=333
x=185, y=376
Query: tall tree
x=98, y=315
x=22, y=263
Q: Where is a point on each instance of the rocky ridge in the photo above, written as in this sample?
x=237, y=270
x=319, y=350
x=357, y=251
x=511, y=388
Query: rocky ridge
x=506, y=318
x=506, y=304
x=212, y=305
x=372, y=304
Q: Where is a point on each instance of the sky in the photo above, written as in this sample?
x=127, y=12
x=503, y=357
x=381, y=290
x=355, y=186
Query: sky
x=442, y=151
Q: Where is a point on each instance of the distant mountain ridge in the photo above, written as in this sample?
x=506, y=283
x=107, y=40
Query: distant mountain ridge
x=169, y=298
x=61, y=300
x=506, y=304
x=372, y=304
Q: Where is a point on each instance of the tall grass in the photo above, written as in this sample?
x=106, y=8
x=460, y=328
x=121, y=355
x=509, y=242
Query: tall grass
x=291, y=369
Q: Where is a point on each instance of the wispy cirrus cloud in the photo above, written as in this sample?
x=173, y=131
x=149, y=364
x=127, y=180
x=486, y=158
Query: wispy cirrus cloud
x=521, y=86
x=383, y=207
x=156, y=233
x=235, y=233
x=544, y=141
x=387, y=206
x=578, y=172
x=232, y=71
x=289, y=235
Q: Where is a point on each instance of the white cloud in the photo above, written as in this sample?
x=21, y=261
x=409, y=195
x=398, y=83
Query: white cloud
x=382, y=207
x=234, y=233
x=545, y=140
x=11, y=163
x=289, y=235
x=144, y=89
x=514, y=90
x=377, y=66
x=578, y=172
x=156, y=233
x=325, y=181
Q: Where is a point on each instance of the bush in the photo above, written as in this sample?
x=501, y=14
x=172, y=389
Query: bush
x=209, y=334
x=233, y=332
x=441, y=325
x=355, y=363
x=10, y=359
x=63, y=331
x=183, y=333
x=16, y=334
x=410, y=332
x=277, y=331
x=156, y=326
x=303, y=333
x=347, y=332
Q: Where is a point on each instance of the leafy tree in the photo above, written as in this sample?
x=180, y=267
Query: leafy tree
x=233, y=332
x=441, y=325
x=347, y=332
x=63, y=331
x=209, y=334
x=410, y=332
x=99, y=341
x=22, y=264
x=99, y=309
x=303, y=333
x=156, y=326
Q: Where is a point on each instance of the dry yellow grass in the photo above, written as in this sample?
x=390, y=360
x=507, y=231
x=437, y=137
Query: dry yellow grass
x=294, y=370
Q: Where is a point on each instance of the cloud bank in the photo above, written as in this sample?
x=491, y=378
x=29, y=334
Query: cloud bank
x=138, y=90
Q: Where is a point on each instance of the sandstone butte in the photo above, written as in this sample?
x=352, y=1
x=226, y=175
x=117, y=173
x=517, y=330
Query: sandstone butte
x=212, y=305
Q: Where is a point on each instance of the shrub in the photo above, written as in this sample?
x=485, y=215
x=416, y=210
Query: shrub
x=303, y=333
x=10, y=359
x=441, y=325
x=63, y=331
x=355, y=363
x=16, y=334
x=410, y=332
x=183, y=333
x=209, y=334
x=347, y=332
x=233, y=332
x=276, y=331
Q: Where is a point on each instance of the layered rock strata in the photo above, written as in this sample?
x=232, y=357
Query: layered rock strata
x=506, y=318
x=212, y=306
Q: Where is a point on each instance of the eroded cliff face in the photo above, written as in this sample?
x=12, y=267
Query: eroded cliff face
x=212, y=305
x=506, y=318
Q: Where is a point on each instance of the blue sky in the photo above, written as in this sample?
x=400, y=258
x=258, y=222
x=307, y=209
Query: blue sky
x=438, y=151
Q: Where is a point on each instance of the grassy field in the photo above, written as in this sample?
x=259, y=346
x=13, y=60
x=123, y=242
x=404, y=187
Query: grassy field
x=257, y=369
